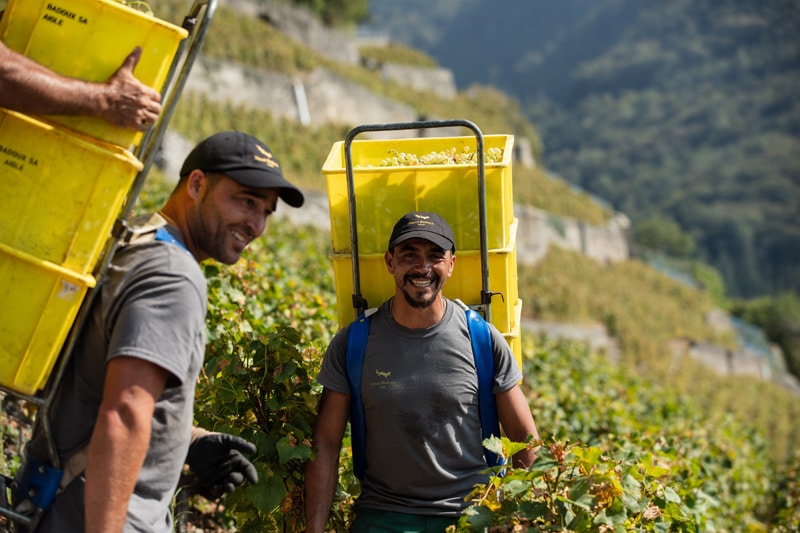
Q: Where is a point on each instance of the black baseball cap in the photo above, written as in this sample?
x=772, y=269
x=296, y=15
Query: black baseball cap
x=423, y=225
x=244, y=159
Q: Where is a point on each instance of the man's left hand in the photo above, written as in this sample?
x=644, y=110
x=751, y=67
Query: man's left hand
x=218, y=463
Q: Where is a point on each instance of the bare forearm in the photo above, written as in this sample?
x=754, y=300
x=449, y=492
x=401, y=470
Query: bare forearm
x=28, y=87
x=321, y=477
x=116, y=453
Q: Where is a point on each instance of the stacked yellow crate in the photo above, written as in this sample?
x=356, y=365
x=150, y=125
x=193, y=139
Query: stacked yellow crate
x=384, y=193
x=63, y=180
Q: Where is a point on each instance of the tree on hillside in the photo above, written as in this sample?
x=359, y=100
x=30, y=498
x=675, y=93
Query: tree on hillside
x=337, y=12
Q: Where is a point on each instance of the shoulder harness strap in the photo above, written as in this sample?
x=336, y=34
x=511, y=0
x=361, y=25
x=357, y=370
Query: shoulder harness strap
x=356, y=347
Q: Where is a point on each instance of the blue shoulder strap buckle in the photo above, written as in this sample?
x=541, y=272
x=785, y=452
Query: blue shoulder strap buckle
x=39, y=482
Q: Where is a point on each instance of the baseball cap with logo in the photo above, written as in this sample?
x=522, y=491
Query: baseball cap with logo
x=423, y=225
x=244, y=159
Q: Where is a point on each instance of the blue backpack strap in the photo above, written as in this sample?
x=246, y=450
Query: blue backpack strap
x=165, y=236
x=356, y=347
x=484, y=362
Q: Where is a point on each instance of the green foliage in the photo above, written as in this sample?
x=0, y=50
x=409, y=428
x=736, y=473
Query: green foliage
x=623, y=455
x=645, y=310
x=536, y=188
x=779, y=317
x=710, y=279
x=395, y=53
x=689, y=113
x=270, y=316
x=337, y=12
x=664, y=234
x=641, y=307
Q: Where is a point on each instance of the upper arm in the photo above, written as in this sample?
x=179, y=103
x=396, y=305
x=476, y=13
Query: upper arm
x=517, y=421
x=515, y=415
x=133, y=385
x=332, y=415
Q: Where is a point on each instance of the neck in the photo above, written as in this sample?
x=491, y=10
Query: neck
x=169, y=219
x=412, y=317
x=176, y=218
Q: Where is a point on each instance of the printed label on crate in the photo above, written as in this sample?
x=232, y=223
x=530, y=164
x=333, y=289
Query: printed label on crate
x=15, y=159
x=56, y=14
x=68, y=290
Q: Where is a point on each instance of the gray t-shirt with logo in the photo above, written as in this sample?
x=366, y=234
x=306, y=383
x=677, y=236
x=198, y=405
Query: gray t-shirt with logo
x=152, y=306
x=420, y=395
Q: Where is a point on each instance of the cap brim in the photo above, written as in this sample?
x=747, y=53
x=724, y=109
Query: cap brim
x=261, y=179
x=442, y=242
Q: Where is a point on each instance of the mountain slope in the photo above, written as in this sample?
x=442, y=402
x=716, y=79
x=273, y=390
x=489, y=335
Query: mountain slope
x=683, y=109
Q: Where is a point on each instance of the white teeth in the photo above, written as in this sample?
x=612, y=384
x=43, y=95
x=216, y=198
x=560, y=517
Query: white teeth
x=421, y=282
x=239, y=237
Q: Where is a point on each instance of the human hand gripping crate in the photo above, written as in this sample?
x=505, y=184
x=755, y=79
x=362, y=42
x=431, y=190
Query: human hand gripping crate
x=89, y=40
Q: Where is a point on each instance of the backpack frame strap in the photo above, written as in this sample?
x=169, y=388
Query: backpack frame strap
x=481, y=340
x=356, y=347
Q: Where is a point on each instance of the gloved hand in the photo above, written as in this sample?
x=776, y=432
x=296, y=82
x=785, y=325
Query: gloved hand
x=217, y=462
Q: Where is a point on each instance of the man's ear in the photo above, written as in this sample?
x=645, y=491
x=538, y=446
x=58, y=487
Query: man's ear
x=388, y=258
x=195, y=184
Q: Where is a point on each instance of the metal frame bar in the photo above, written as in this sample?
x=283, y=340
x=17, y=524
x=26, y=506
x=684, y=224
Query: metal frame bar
x=359, y=303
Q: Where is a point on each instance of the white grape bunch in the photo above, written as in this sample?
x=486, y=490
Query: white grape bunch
x=450, y=156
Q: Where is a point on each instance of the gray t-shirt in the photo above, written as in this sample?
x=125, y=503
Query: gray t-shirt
x=420, y=395
x=152, y=306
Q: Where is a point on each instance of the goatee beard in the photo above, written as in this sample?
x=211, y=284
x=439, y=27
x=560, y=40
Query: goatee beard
x=417, y=303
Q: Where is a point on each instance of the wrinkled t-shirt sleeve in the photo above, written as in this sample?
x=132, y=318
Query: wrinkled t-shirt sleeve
x=333, y=372
x=161, y=320
x=506, y=371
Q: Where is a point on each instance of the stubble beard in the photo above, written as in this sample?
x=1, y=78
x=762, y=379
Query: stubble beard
x=419, y=301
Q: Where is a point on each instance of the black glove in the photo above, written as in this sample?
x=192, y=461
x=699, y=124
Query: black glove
x=218, y=464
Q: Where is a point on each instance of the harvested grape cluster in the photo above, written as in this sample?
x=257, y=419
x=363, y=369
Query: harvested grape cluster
x=450, y=156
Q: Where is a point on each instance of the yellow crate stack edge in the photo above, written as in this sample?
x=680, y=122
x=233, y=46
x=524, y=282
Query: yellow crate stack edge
x=384, y=193
x=64, y=179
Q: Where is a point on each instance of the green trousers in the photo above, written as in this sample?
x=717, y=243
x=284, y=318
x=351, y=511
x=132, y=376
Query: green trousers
x=372, y=521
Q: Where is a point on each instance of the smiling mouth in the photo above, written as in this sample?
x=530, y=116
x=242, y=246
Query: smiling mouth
x=240, y=237
x=421, y=283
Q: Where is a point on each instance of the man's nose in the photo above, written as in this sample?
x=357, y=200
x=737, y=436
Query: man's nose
x=256, y=225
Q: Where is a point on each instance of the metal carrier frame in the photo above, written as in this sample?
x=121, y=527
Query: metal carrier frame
x=196, y=23
x=359, y=302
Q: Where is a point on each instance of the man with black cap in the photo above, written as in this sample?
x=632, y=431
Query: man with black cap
x=419, y=391
x=122, y=420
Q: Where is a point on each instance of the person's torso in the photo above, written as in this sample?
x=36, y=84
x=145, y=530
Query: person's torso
x=420, y=396
x=151, y=305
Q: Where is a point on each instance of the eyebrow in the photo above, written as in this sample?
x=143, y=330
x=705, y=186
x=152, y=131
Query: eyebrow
x=415, y=247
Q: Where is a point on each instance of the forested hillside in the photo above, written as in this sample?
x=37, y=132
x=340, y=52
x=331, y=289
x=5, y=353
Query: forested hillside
x=682, y=114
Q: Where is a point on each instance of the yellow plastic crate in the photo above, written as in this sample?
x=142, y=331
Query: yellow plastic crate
x=377, y=285
x=384, y=194
x=40, y=303
x=89, y=39
x=59, y=193
x=513, y=337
